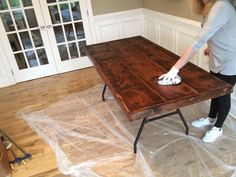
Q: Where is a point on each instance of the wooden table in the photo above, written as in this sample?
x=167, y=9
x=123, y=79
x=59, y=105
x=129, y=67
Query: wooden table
x=130, y=68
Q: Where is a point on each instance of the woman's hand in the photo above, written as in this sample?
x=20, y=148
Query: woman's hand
x=206, y=51
x=169, y=78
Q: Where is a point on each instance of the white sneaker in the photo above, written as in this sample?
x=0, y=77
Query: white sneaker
x=203, y=122
x=212, y=135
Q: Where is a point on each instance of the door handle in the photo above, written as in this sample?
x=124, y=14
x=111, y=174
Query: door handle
x=49, y=26
x=42, y=27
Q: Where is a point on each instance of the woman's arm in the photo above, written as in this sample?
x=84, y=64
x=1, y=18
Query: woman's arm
x=169, y=78
x=217, y=17
x=185, y=57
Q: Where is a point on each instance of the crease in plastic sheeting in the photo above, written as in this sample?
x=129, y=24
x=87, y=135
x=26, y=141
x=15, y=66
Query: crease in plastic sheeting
x=51, y=126
x=93, y=138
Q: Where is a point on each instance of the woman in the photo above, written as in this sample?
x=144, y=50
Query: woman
x=219, y=32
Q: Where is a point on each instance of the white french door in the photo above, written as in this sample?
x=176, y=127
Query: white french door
x=67, y=24
x=44, y=37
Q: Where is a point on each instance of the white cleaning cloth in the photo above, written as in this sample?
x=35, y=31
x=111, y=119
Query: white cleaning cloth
x=173, y=81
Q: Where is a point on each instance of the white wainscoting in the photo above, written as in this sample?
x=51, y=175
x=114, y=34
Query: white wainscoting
x=233, y=104
x=173, y=33
x=118, y=25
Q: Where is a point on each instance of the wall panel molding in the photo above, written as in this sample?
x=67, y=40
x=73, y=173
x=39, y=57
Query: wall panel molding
x=118, y=25
x=173, y=33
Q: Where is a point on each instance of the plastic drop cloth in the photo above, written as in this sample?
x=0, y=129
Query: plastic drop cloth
x=92, y=138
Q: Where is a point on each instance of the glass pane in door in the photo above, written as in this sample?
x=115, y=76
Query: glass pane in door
x=79, y=30
x=73, y=50
x=68, y=28
x=31, y=57
x=20, y=59
x=19, y=20
x=30, y=15
x=3, y=5
x=14, y=42
x=69, y=31
x=38, y=42
x=75, y=7
x=23, y=32
x=59, y=34
x=54, y=14
x=7, y=21
x=65, y=12
x=26, y=41
x=14, y=3
x=42, y=56
x=63, y=52
x=26, y=3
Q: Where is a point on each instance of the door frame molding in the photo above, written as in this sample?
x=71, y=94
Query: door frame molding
x=92, y=28
x=6, y=76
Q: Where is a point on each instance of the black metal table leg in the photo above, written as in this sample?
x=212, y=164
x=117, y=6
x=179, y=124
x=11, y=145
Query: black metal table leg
x=139, y=133
x=183, y=120
x=103, y=92
x=146, y=120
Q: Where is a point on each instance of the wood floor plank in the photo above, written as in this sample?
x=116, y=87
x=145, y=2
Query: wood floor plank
x=38, y=94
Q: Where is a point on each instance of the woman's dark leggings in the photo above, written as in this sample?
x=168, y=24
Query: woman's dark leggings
x=220, y=106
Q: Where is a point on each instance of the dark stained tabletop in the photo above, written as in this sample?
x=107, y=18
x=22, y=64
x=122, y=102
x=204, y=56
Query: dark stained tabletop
x=130, y=68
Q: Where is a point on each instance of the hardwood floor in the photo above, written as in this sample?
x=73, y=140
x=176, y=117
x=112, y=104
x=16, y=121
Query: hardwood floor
x=38, y=94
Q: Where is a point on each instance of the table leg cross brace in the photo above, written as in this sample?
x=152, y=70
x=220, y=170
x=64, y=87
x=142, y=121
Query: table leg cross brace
x=146, y=120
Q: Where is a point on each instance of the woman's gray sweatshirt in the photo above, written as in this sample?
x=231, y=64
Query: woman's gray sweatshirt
x=219, y=31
